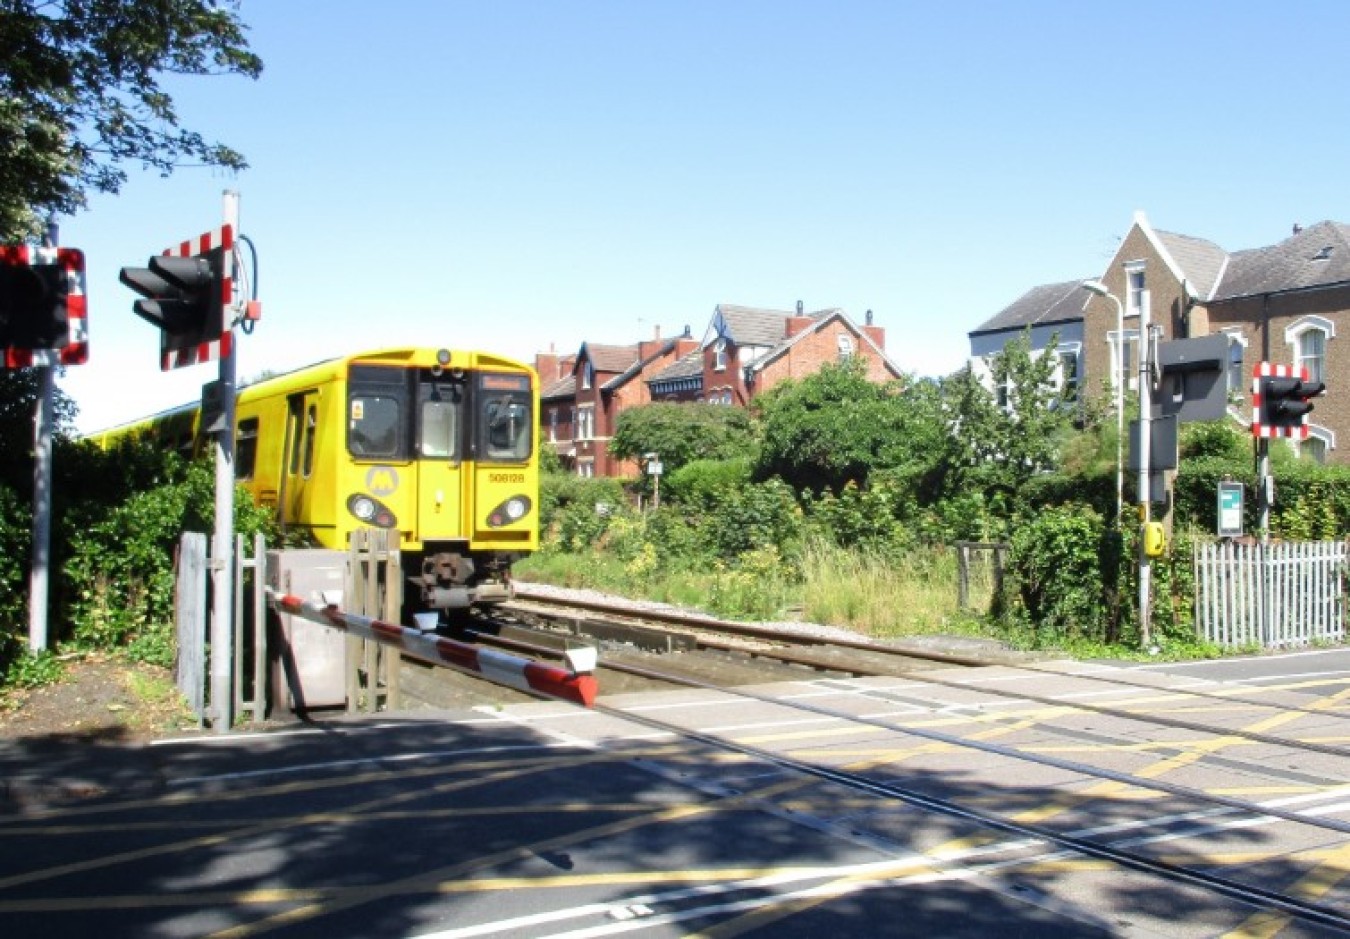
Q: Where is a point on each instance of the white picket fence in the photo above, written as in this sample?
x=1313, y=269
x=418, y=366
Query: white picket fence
x=1275, y=596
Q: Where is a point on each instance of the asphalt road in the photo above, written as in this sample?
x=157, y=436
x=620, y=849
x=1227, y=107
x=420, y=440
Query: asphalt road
x=540, y=820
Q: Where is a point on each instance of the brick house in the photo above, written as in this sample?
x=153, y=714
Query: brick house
x=582, y=395
x=744, y=352
x=1282, y=303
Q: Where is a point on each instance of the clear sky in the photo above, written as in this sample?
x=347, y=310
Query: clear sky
x=520, y=175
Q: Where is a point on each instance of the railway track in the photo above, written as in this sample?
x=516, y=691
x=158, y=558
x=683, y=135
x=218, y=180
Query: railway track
x=843, y=668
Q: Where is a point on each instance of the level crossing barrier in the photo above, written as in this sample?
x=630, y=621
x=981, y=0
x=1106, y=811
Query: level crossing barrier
x=575, y=683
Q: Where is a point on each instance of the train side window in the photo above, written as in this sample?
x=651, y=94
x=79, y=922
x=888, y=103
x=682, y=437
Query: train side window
x=311, y=430
x=372, y=426
x=246, y=448
x=293, y=435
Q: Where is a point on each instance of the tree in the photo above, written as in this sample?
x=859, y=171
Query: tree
x=80, y=96
x=682, y=433
x=832, y=428
x=997, y=446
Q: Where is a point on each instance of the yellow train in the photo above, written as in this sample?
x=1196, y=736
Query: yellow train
x=441, y=445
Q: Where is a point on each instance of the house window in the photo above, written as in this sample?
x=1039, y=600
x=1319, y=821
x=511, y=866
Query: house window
x=587, y=375
x=1311, y=352
x=1316, y=445
x=585, y=423
x=720, y=355
x=1068, y=374
x=1237, y=349
x=1122, y=360
x=845, y=344
x=553, y=425
x=1134, y=288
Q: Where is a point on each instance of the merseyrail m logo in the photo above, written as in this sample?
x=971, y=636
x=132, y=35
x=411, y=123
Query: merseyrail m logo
x=382, y=480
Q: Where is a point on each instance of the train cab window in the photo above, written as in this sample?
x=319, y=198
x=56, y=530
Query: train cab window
x=246, y=448
x=379, y=412
x=505, y=417
x=373, y=426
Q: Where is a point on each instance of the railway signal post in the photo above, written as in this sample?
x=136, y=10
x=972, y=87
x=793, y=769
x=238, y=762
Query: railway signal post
x=43, y=323
x=189, y=295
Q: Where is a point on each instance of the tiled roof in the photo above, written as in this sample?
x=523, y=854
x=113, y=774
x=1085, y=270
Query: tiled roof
x=1201, y=262
x=610, y=358
x=1315, y=256
x=565, y=387
x=748, y=326
x=1048, y=303
x=687, y=366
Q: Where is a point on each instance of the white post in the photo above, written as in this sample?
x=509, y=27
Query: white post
x=1121, y=377
x=43, y=416
x=1145, y=457
x=222, y=552
x=42, y=510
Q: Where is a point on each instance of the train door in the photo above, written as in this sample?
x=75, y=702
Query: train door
x=441, y=512
x=296, y=507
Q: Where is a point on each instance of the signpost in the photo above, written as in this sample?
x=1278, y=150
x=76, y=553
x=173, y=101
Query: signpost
x=1230, y=509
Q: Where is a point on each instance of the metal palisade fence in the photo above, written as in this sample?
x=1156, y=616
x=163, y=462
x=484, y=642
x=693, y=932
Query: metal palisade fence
x=1275, y=596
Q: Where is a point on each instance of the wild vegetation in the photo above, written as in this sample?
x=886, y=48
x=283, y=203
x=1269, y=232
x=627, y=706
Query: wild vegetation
x=841, y=501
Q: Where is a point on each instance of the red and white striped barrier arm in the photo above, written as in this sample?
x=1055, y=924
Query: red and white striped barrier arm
x=523, y=674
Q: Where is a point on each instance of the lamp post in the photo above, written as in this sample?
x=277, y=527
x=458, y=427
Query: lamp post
x=1098, y=288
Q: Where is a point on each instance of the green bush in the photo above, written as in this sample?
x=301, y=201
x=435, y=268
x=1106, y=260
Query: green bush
x=1054, y=578
x=756, y=516
x=16, y=547
x=572, y=509
x=866, y=519
x=698, y=485
x=121, y=571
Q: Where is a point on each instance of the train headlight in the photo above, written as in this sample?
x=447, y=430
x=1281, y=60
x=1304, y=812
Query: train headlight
x=512, y=510
x=370, y=511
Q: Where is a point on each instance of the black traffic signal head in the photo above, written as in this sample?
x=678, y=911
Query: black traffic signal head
x=1284, y=401
x=187, y=298
x=42, y=305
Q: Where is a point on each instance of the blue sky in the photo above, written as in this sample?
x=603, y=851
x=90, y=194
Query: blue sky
x=521, y=175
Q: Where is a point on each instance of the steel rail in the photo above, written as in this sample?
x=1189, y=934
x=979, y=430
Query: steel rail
x=1176, y=723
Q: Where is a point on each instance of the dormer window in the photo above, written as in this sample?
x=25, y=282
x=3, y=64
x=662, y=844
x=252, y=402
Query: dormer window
x=1324, y=254
x=720, y=355
x=587, y=375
